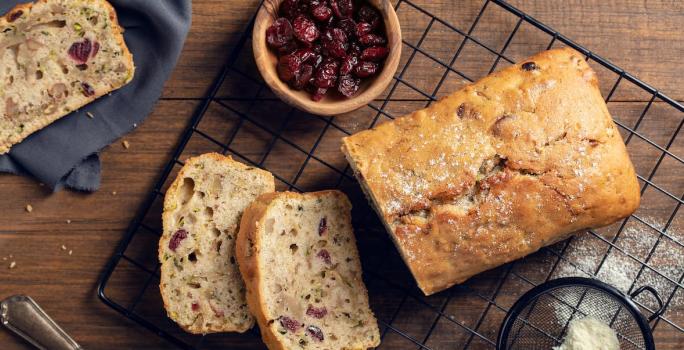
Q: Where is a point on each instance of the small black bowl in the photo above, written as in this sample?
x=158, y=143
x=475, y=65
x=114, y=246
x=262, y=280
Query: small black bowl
x=540, y=318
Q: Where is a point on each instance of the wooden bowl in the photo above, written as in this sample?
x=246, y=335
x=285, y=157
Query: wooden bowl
x=332, y=103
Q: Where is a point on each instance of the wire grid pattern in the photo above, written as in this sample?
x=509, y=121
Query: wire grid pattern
x=407, y=319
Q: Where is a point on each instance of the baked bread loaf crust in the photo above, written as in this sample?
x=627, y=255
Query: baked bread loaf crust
x=200, y=281
x=298, y=256
x=55, y=57
x=514, y=162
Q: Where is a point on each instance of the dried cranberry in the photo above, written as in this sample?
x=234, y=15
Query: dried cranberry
x=338, y=35
x=354, y=49
x=80, y=51
x=321, y=13
x=363, y=28
x=325, y=256
x=177, y=238
x=96, y=49
x=366, y=69
x=289, y=8
x=348, y=85
x=372, y=40
x=305, y=29
x=15, y=16
x=375, y=53
x=288, y=67
x=335, y=42
x=315, y=333
x=529, y=66
x=279, y=33
x=217, y=311
x=303, y=77
x=323, y=227
x=326, y=76
x=288, y=48
x=336, y=48
x=342, y=8
x=369, y=15
x=290, y=324
x=87, y=90
x=195, y=306
x=319, y=94
x=305, y=55
x=348, y=64
x=348, y=26
x=316, y=312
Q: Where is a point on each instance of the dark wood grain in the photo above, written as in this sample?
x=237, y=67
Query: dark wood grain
x=642, y=36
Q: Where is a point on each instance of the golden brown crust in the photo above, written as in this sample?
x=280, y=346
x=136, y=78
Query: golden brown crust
x=40, y=123
x=497, y=170
x=249, y=265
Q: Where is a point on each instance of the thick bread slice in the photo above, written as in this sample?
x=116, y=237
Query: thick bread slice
x=514, y=162
x=55, y=57
x=200, y=282
x=298, y=256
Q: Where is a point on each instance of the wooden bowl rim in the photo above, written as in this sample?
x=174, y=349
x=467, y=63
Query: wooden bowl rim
x=262, y=57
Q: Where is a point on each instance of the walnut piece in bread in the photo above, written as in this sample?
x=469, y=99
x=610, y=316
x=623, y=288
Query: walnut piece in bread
x=514, y=162
x=200, y=281
x=298, y=256
x=55, y=57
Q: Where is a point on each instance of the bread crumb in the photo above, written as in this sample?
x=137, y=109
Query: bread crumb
x=135, y=125
x=68, y=221
x=63, y=247
x=90, y=115
x=113, y=193
x=29, y=208
x=126, y=144
x=11, y=256
x=4, y=258
x=70, y=251
x=13, y=264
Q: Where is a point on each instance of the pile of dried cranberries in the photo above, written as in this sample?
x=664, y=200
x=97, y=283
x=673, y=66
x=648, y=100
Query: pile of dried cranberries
x=325, y=44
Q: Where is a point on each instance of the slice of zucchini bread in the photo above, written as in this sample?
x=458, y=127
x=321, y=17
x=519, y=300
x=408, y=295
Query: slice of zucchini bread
x=55, y=57
x=298, y=257
x=200, y=282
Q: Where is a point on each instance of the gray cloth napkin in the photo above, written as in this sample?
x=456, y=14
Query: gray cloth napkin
x=65, y=152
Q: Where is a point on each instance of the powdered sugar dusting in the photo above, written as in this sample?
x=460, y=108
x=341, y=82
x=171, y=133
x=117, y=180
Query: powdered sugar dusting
x=586, y=252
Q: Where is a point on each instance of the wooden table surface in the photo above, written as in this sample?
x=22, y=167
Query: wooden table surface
x=644, y=37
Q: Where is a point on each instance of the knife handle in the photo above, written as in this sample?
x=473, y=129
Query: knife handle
x=24, y=317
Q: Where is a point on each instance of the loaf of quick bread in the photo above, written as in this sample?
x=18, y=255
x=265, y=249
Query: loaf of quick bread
x=514, y=162
x=55, y=57
x=298, y=257
x=200, y=282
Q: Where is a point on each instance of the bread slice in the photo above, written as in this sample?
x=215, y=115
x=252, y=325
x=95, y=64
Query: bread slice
x=200, y=282
x=55, y=57
x=491, y=173
x=297, y=254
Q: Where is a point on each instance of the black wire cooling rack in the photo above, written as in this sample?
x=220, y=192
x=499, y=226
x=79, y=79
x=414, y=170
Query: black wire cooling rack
x=241, y=117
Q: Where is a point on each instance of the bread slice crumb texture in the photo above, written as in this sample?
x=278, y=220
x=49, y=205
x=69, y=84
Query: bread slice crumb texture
x=200, y=282
x=298, y=256
x=55, y=57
